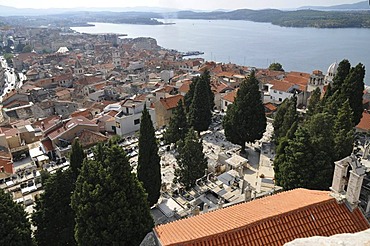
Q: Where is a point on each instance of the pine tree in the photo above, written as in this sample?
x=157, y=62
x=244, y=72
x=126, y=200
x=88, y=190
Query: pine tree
x=178, y=126
x=191, y=160
x=149, y=168
x=245, y=120
x=15, y=229
x=343, y=132
x=110, y=203
x=353, y=89
x=200, y=115
x=314, y=105
x=54, y=217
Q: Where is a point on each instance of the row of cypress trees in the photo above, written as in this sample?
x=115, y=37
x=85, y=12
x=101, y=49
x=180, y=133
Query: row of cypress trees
x=307, y=147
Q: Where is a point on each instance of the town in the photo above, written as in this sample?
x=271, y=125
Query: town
x=57, y=85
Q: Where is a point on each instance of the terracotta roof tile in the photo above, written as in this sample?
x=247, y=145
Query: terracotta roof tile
x=272, y=220
x=281, y=85
x=365, y=122
x=171, y=102
x=230, y=97
x=185, y=87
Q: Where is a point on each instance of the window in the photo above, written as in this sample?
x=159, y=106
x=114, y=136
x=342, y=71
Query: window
x=274, y=91
x=137, y=122
x=225, y=104
x=280, y=99
x=280, y=92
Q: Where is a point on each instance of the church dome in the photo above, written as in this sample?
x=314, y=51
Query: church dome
x=332, y=70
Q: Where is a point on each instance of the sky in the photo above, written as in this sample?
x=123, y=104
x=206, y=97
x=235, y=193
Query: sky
x=178, y=4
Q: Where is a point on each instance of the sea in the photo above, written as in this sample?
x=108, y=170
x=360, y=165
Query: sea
x=254, y=44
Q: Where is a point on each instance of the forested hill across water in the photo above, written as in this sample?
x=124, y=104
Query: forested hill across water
x=299, y=18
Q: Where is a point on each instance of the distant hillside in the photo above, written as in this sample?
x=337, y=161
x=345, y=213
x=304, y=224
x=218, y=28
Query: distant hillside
x=11, y=11
x=299, y=18
x=354, y=6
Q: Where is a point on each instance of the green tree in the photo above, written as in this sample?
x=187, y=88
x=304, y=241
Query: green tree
x=353, y=89
x=76, y=157
x=178, y=126
x=342, y=72
x=245, y=119
x=200, y=115
x=307, y=159
x=149, y=168
x=276, y=67
x=293, y=161
x=110, y=203
x=54, y=217
x=207, y=77
x=15, y=229
x=343, y=132
x=27, y=49
x=191, y=160
x=190, y=94
x=314, y=105
x=285, y=117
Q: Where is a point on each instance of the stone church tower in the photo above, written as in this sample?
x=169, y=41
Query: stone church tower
x=346, y=188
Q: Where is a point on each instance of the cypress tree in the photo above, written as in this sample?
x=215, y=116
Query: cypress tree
x=191, y=160
x=353, y=89
x=110, y=203
x=15, y=229
x=54, y=217
x=76, y=157
x=190, y=94
x=293, y=161
x=289, y=118
x=314, y=103
x=246, y=121
x=207, y=78
x=178, y=126
x=343, y=132
x=149, y=168
x=200, y=115
x=307, y=160
x=342, y=72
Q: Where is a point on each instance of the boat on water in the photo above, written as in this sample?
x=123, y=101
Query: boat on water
x=192, y=53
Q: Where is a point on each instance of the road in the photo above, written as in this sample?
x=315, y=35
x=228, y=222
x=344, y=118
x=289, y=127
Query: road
x=9, y=80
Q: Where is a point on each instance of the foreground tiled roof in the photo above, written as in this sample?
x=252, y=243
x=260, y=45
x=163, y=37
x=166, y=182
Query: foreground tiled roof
x=272, y=220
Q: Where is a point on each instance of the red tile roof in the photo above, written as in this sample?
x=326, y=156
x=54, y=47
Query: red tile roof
x=171, y=102
x=185, y=87
x=364, y=124
x=230, y=97
x=273, y=220
x=270, y=106
x=281, y=85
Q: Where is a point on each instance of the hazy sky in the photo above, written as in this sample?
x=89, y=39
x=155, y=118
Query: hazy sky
x=179, y=4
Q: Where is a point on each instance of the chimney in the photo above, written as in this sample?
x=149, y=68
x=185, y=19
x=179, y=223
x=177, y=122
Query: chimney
x=42, y=125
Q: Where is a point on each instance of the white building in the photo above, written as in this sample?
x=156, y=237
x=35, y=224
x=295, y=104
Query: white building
x=332, y=71
x=128, y=119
